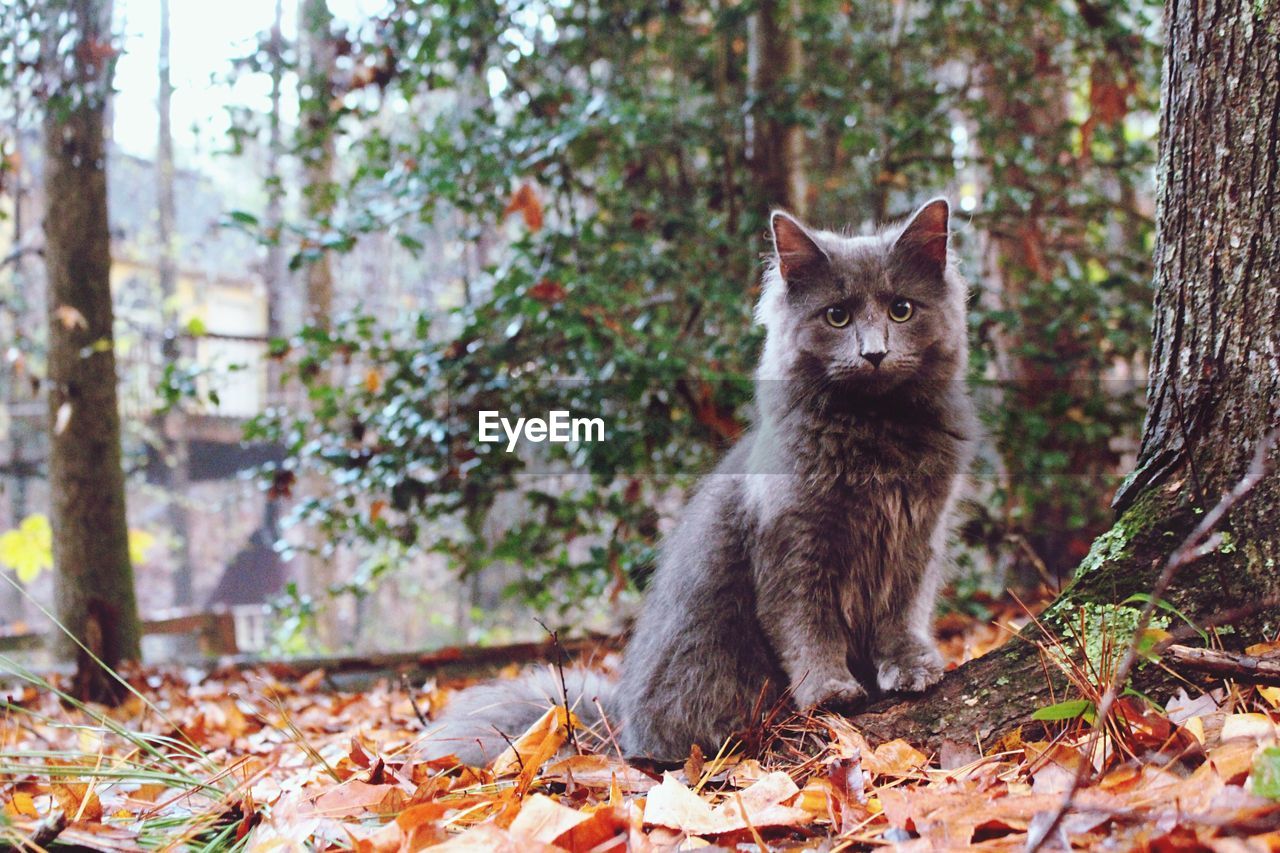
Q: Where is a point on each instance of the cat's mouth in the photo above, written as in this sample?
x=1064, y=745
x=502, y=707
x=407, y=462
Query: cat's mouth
x=867, y=379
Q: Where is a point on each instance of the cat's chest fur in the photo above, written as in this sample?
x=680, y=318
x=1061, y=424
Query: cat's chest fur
x=865, y=494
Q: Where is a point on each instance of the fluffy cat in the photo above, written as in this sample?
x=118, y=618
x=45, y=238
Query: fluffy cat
x=807, y=565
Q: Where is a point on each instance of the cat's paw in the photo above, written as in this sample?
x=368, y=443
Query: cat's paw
x=910, y=672
x=833, y=692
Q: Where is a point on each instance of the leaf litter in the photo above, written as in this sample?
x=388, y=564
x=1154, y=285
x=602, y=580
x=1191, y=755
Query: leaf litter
x=245, y=760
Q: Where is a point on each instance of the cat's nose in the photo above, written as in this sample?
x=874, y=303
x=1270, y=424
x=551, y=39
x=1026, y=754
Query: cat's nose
x=875, y=358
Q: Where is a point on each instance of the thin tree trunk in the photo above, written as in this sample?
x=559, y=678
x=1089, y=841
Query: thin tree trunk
x=1215, y=374
x=315, y=78
x=277, y=266
x=776, y=140
x=94, y=580
x=173, y=428
x=317, y=55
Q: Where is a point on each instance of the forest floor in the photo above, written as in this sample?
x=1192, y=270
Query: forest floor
x=248, y=760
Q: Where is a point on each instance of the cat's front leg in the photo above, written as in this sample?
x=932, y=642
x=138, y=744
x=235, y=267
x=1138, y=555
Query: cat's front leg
x=798, y=608
x=908, y=664
x=906, y=655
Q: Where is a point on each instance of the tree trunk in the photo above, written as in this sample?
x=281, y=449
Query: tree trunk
x=775, y=137
x=94, y=581
x=172, y=429
x=317, y=55
x=277, y=267
x=1215, y=376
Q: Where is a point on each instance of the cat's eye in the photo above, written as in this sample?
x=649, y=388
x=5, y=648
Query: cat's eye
x=901, y=310
x=837, y=317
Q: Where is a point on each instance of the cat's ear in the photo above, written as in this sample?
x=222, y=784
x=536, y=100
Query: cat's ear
x=796, y=250
x=923, y=241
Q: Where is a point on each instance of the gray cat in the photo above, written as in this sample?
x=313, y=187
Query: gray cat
x=808, y=564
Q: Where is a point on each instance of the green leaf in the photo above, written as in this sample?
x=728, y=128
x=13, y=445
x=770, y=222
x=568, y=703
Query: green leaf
x=196, y=327
x=1266, y=773
x=1069, y=710
x=1145, y=598
x=244, y=217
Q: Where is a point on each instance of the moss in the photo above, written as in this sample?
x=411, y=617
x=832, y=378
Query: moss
x=1102, y=632
x=1116, y=545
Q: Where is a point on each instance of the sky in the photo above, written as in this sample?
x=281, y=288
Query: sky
x=205, y=37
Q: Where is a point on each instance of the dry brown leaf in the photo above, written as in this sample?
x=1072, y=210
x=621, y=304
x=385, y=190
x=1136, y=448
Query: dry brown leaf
x=531, y=750
x=599, y=771
x=525, y=201
x=543, y=819
x=352, y=798
x=674, y=806
x=1253, y=726
x=895, y=758
x=22, y=805
x=78, y=801
x=487, y=838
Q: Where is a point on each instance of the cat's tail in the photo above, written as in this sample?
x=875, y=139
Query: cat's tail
x=480, y=722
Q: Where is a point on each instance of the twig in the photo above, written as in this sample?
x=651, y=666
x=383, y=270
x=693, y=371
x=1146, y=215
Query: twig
x=1250, y=669
x=1201, y=541
x=1038, y=564
x=564, y=687
x=608, y=728
x=47, y=831
x=413, y=703
x=511, y=744
x=1223, y=617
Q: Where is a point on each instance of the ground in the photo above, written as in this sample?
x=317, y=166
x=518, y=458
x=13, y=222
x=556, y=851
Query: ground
x=249, y=759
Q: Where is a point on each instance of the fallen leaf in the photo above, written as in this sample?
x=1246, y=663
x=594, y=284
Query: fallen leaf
x=895, y=758
x=543, y=819
x=1254, y=726
x=599, y=771
x=531, y=750
x=674, y=806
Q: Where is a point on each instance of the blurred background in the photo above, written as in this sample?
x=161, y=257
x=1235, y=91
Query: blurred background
x=341, y=227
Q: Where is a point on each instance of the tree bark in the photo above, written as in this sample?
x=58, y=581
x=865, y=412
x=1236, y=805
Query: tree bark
x=1214, y=381
x=775, y=138
x=317, y=55
x=94, y=580
x=277, y=267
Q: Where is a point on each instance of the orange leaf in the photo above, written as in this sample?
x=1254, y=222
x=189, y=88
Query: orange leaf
x=532, y=749
x=548, y=291
x=895, y=758
x=525, y=202
x=22, y=805
x=78, y=801
x=543, y=819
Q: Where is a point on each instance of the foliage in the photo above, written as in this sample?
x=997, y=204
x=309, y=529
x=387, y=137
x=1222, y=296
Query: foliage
x=599, y=155
x=28, y=549
x=1101, y=635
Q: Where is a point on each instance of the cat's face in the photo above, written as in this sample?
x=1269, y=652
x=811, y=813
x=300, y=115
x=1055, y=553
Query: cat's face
x=864, y=313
